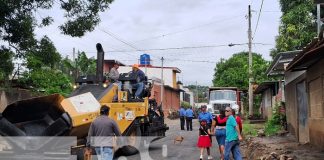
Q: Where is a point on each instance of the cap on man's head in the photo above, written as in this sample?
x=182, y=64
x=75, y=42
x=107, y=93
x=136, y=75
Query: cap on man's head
x=135, y=66
x=203, y=106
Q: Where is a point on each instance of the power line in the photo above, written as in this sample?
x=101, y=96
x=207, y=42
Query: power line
x=185, y=60
x=180, y=48
x=256, y=27
x=187, y=29
x=117, y=38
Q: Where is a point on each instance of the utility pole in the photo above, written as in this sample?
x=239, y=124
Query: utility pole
x=250, y=66
x=162, y=81
x=145, y=61
x=77, y=64
x=75, y=70
x=197, y=97
x=319, y=23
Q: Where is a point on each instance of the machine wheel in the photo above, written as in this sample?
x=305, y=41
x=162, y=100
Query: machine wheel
x=133, y=141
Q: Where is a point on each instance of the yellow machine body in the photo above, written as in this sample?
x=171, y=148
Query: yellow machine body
x=124, y=113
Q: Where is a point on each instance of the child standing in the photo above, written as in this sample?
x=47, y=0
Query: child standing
x=204, y=138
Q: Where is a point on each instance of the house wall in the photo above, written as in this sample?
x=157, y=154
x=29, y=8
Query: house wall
x=189, y=98
x=171, y=98
x=292, y=79
x=315, y=84
x=267, y=103
x=8, y=97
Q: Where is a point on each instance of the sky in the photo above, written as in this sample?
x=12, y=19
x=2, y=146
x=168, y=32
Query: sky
x=160, y=24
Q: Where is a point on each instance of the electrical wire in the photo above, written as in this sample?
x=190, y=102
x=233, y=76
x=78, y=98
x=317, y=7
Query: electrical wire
x=197, y=61
x=180, y=48
x=187, y=29
x=117, y=38
x=256, y=27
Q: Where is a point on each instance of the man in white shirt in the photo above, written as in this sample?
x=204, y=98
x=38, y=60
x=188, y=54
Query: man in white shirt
x=114, y=74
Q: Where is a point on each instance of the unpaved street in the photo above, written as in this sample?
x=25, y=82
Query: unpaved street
x=165, y=148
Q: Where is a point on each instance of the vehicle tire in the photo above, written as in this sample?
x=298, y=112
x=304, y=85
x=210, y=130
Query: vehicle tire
x=133, y=143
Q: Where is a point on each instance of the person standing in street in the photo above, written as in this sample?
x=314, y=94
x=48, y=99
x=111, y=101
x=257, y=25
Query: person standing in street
x=189, y=117
x=238, y=120
x=218, y=127
x=182, y=114
x=204, y=115
x=204, y=139
x=101, y=133
x=233, y=136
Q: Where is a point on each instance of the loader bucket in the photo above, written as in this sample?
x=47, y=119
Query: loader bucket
x=41, y=116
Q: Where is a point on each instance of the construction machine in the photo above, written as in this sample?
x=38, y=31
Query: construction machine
x=55, y=115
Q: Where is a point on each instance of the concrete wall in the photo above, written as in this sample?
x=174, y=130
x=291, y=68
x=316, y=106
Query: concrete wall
x=267, y=103
x=171, y=98
x=9, y=96
x=292, y=78
x=191, y=96
x=315, y=79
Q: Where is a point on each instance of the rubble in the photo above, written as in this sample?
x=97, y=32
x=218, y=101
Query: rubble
x=278, y=148
x=261, y=133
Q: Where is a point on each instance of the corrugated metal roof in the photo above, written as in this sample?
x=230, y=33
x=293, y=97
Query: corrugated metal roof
x=277, y=66
x=312, y=53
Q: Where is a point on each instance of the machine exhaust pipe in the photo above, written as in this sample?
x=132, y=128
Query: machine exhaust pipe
x=100, y=62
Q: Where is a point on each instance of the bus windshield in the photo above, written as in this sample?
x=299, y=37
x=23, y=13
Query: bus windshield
x=222, y=95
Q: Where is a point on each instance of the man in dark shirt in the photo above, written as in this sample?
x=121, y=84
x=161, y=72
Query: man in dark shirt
x=140, y=78
x=101, y=133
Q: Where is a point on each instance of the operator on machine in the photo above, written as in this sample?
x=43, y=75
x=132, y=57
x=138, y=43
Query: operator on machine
x=140, y=78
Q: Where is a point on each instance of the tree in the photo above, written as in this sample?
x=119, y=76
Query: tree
x=82, y=65
x=6, y=65
x=234, y=71
x=47, y=80
x=297, y=27
x=45, y=54
x=18, y=22
x=86, y=65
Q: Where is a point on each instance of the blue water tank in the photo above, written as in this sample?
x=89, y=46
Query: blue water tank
x=145, y=59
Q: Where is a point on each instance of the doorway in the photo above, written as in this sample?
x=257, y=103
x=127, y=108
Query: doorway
x=302, y=104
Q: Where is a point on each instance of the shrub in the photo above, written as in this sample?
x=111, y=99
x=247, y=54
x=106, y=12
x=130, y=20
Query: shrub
x=185, y=104
x=47, y=80
x=272, y=126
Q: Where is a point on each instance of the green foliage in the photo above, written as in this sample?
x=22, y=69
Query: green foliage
x=249, y=129
x=297, y=26
x=234, y=71
x=185, y=104
x=6, y=65
x=86, y=65
x=45, y=54
x=202, y=92
x=18, y=22
x=271, y=128
x=48, y=80
x=273, y=125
